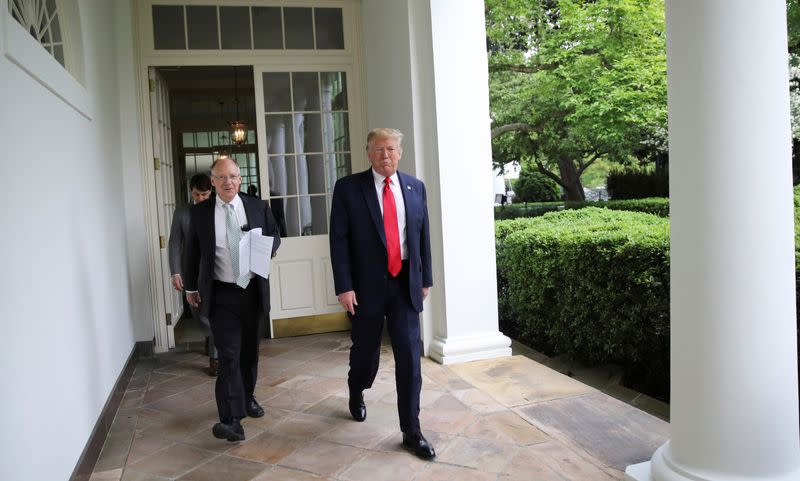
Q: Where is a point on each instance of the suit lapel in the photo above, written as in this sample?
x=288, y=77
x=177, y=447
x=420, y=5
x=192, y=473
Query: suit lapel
x=249, y=211
x=409, y=198
x=371, y=197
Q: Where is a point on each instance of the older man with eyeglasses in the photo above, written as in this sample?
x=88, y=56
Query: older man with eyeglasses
x=234, y=302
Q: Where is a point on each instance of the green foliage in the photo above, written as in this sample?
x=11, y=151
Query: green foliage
x=591, y=283
x=535, y=209
x=588, y=79
x=533, y=186
x=654, y=205
x=595, y=175
x=637, y=183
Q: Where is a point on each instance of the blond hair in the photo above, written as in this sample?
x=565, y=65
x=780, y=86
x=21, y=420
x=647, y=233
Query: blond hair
x=385, y=133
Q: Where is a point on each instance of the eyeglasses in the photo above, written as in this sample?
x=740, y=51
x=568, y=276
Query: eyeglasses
x=223, y=178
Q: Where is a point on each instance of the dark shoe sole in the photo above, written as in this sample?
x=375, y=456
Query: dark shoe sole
x=223, y=431
x=419, y=454
x=258, y=414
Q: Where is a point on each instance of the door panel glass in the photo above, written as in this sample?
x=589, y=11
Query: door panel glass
x=337, y=131
x=168, y=30
x=329, y=29
x=308, y=142
x=292, y=217
x=334, y=91
x=316, y=174
x=267, y=29
x=305, y=88
x=201, y=23
x=283, y=175
x=299, y=29
x=234, y=23
x=319, y=216
x=280, y=139
x=276, y=92
x=311, y=130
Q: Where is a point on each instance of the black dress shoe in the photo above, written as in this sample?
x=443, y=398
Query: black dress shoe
x=232, y=431
x=213, y=367
x=417, y=444
x=357, y=407
x=254, y=410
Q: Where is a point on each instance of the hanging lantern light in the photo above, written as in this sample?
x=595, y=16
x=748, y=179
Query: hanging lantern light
x=238, y=127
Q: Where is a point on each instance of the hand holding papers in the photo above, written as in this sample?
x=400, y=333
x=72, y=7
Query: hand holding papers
x=255, y=252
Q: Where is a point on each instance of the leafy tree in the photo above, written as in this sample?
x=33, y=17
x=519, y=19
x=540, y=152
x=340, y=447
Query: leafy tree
x=573, y=81
x=533, y=186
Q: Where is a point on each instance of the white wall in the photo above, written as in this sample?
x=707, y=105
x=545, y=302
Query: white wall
x=66, y=305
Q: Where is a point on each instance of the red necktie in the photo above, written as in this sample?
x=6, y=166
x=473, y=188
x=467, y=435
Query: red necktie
x=390, y=226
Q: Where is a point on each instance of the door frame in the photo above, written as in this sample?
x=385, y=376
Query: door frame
x=146, y=56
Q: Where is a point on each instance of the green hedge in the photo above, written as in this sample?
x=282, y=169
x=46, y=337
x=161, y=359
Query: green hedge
x=592, y=283
x=653, y=205
x=637, y=183
x=533, y=209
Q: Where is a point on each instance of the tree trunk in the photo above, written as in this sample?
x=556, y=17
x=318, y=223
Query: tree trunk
x=573, y=189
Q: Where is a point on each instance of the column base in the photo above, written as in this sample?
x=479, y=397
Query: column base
x=661, y=468
x=453, y=350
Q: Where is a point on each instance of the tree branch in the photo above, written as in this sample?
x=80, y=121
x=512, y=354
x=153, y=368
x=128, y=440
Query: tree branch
x=515, y=127
x=540, y=166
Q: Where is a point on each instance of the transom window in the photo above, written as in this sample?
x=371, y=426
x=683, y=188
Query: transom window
x=40, y=18
x=216, y=27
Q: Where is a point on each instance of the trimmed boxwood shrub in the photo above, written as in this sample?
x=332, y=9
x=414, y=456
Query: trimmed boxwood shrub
x=653, y=205
x=536, y=209
x=591, y=283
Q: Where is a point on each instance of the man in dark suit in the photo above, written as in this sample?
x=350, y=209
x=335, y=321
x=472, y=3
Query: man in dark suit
x=381, y=260
x=234, y=302
x=200, y=187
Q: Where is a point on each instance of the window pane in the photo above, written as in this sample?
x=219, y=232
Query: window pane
x=334, y=91
x=58, y=53
x=235, y=25
x=292, y=217
x=337, y=132
x=279, y=134
x=188, y=139
x=299, y=33
x=276, y=92
x=319, y=216
x=202, y=139
x=306, y=91
x=283, y=175
x=338, y=167
x=267, y=30
x=278, y=207
x=201, y=22
x=168, y=30
x=311, y=133
x=55, y=30
x=330, y=32
x=316, y=174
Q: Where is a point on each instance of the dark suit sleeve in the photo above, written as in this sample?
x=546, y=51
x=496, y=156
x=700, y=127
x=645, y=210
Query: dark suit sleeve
x=271, y=228
x=425, y=243
x=191, y=258
x=339, y=238
x=175, y=245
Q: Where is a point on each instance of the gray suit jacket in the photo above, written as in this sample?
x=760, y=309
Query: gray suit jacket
x=178, y=235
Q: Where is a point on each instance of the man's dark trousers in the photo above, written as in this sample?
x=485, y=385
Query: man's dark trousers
x=402, y=321
x=235, y=324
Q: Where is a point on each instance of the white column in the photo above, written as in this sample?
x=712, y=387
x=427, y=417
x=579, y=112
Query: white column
x=426, y=74
x=458, y=173
x=734, y=404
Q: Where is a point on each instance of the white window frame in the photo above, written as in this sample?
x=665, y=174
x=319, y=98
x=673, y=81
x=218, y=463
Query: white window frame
x=27, y=53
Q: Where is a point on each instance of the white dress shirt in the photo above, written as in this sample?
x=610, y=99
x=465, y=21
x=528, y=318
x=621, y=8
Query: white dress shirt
x=223, y=266
x=398, y=202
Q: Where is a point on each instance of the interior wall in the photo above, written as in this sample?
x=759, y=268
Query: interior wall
x=67, y=291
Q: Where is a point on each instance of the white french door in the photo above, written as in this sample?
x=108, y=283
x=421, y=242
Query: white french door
x=165, y=194
x=304, y=126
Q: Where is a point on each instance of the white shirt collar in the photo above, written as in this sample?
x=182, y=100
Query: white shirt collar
x=379, y=178
x=235, y=202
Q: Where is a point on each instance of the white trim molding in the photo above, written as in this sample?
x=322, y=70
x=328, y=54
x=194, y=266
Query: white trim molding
x=454, y=350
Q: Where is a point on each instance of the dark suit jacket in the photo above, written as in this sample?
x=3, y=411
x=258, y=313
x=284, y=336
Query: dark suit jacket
x=177, y=239
x=358, y=241
x=198, y=262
